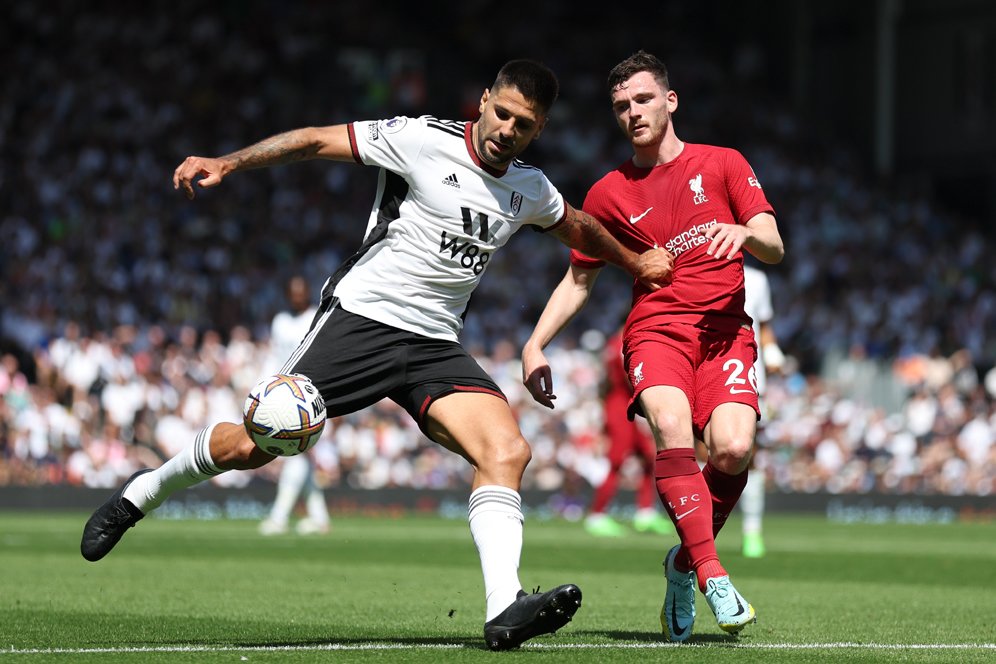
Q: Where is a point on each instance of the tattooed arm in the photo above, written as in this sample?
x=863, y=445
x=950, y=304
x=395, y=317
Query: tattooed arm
x=581, y=231
x=296, y=145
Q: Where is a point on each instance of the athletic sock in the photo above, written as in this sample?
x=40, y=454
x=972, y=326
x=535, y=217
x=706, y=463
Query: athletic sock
x=752, y=502
x=726, y=490
x=192, y=465
x=495, y=515
x=686, y=498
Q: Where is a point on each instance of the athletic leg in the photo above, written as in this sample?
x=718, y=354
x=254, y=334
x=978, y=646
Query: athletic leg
x=729, y=437
x=215, y=449
x=481, y=428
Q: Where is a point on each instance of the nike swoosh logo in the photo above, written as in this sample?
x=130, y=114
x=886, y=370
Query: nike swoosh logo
x=675, y=630
x=679, y=517
x=740, y=606
x=633, y=219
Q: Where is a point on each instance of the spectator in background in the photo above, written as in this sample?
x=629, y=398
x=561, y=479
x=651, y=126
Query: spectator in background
x=626, y=438
x=770, y=358
x=297, y=473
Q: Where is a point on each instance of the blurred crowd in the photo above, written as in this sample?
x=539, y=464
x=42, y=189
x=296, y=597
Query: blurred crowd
x=130, y=316
x=104, y=406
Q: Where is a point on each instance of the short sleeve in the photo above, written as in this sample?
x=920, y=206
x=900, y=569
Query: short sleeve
x=746, y=196
x=393, y=144
x=550, y=208
x=584, y=261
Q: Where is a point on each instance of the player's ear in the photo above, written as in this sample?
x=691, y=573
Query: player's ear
x=484, y=100
x=672, y=101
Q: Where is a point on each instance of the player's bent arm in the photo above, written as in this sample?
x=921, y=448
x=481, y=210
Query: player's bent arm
x=764, y=241
x=567, y=299
x=583, y=232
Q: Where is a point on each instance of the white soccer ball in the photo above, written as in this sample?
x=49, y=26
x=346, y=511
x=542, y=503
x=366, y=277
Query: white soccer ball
x=284, y=414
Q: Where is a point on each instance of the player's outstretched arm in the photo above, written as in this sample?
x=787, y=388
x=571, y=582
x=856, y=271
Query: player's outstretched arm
x=567, y=299
x=583, y=232
x=296, y=145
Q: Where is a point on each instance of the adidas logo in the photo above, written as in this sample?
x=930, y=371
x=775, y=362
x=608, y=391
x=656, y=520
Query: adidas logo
x=451, y=180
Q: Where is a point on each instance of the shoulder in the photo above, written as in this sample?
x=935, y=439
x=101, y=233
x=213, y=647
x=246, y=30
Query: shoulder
x=450, y=127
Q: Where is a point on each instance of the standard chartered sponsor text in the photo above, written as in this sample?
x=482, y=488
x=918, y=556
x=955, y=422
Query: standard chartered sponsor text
x=692, y=237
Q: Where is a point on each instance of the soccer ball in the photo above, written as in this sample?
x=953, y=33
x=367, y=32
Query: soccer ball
x=284, y=414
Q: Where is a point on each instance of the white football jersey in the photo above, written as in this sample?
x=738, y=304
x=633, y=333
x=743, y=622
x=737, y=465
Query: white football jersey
x=757, y=304
x=438, y=217
x=286, y=333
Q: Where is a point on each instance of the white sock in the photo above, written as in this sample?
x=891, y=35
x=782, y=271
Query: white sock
x=752, y=502
x=495, y=516
x=293, y=476
x=192, y=465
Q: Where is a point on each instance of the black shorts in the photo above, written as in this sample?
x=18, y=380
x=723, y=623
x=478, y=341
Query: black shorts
x=355, y=362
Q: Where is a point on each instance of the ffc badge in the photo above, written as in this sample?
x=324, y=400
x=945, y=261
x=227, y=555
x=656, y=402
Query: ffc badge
x=516, y=202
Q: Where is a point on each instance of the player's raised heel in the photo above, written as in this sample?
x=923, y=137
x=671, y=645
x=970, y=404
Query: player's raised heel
x=733, y=612
x=678, y=612
x=109, y=522
x=532, y=615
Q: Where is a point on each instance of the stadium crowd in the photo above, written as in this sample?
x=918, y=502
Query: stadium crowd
x=130, y=317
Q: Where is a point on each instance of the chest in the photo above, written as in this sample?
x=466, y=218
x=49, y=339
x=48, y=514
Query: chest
x=668, y=203
x=454, y=198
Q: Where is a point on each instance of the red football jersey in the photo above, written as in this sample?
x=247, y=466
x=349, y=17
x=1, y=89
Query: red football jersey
x=670, y=206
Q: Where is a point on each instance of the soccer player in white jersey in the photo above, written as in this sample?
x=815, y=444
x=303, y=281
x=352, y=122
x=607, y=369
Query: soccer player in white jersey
x=297, y=474
x=449, y=194
x=757, y=304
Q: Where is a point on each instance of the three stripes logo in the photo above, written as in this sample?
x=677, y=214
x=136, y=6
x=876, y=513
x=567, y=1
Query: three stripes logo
x=451, y=180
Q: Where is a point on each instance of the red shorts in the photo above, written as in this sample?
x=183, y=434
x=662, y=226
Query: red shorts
x=711, y=368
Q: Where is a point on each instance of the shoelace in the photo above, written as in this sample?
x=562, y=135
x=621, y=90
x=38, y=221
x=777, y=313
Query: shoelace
x=721, y=591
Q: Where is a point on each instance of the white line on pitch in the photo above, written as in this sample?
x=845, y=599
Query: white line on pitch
x=528, y=646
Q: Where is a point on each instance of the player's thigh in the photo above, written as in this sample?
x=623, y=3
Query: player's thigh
x=727, y=404
x=732, y=426
x=669, y=415
x=479, y=426
x=662, y=373
x=729, y=437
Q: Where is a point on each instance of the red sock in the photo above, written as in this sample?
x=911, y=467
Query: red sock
x=686, y=498
x=726, y=490
x=605, y=491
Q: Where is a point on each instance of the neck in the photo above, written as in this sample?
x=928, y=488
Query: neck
x=661, y=153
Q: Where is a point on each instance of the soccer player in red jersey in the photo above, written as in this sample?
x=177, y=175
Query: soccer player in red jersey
x=689, y=347
x=626, y=438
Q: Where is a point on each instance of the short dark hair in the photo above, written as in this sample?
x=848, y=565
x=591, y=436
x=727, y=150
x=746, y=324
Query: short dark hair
x=634, y=64
x=533, y=79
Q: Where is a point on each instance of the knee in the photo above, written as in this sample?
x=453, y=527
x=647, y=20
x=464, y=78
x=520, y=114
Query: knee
x=670, y=430
x=732, y=455
x=513, y=453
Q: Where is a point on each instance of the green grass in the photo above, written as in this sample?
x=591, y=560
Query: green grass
x=409, y=590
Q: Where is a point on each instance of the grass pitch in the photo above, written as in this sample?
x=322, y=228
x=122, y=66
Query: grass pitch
x=410, y=590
